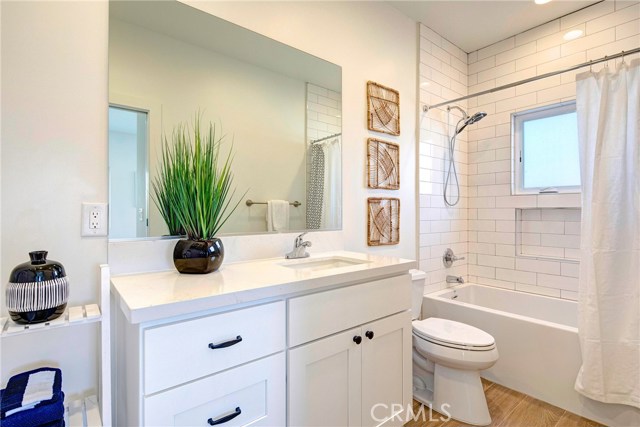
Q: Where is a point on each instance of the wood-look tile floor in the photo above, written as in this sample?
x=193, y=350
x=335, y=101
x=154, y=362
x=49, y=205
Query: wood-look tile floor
x=509, y=408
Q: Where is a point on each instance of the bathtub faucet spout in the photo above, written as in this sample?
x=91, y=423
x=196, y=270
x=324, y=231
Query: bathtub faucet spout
x=455, y=279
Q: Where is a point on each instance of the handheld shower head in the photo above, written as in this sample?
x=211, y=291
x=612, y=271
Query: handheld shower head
x=476, y=117
x=471, y=120
x=452, y=175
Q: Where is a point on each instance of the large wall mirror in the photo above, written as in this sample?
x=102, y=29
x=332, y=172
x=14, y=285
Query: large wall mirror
x=280, y=109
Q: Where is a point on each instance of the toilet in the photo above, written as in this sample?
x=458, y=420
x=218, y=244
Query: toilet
x=447, y=359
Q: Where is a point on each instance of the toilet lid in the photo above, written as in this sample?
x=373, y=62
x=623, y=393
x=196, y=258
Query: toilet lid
x=451, y=332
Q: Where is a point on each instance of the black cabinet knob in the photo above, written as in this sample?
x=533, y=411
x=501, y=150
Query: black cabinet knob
x=369, y=334
x=357, y=339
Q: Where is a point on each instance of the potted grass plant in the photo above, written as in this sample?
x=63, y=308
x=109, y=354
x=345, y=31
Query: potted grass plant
x=193, y=191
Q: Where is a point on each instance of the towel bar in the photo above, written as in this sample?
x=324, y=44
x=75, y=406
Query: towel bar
x=250, y=202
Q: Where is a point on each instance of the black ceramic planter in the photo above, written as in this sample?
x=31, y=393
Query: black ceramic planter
x=198, y=256
x=38, y=290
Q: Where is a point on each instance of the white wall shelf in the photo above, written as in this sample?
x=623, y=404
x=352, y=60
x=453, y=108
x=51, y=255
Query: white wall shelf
x=92, y=411
x=78, y=315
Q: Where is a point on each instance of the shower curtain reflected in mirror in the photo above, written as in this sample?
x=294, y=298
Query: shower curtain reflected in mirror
x=324, y=190
x=315, y=187
x=608, y=110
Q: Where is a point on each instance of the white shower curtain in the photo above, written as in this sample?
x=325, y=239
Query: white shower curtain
x=608, y=107
x=332, y=194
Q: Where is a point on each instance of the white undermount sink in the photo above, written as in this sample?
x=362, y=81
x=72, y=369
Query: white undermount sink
x=315, y=264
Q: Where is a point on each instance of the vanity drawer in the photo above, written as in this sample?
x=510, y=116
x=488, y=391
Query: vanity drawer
x=256, y=389
x=325, y=313
x=180, y=352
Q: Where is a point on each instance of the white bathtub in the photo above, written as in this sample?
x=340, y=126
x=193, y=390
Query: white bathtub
x=537, y=339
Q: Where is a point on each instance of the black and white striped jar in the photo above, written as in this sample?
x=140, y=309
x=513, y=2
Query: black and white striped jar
x=38, y=290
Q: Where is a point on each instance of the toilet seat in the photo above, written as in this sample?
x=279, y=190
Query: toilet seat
x=449, y=333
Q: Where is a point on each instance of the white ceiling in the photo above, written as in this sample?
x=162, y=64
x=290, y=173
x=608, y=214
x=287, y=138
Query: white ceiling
x=472, y=25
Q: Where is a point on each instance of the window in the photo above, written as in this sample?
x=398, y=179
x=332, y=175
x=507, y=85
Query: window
x=546, y=158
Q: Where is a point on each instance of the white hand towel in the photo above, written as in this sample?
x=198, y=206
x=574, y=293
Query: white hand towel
x=39, y=387
x=277, y=215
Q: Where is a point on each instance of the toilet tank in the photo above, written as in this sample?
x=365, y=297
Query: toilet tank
x=417, y=290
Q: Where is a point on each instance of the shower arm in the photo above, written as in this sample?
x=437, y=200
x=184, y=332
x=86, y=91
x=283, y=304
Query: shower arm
x=464, y=113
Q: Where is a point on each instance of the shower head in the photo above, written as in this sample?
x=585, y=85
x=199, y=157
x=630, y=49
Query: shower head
x=466, y=120
x=475, y=118
x=471, y=120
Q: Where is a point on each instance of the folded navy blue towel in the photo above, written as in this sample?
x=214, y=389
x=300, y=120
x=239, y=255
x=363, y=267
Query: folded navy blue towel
x=49, y=415
x=31, y=389
x=58, y=423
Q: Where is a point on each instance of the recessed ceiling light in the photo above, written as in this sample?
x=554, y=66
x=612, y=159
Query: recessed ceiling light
x=573, y=34
x=542, y=1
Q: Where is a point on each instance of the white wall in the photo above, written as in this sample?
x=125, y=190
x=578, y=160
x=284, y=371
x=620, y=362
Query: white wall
x=262, y=112
x=609, y=27
x=54, y=156
x=370, y=41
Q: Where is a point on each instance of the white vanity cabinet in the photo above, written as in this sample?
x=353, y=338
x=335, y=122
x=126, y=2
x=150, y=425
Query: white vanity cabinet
x=360, y=376
x=263, y=344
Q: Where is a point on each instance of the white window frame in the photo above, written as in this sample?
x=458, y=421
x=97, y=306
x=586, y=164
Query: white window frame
x=517, y=121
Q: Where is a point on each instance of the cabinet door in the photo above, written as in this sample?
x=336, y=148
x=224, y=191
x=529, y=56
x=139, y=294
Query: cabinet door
x=249, y=395
x=386, y=370
x=325, y=382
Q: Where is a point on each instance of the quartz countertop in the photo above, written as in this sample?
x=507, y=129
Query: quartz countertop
x=154, y=296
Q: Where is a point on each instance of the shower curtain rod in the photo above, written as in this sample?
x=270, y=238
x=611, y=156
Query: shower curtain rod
x=326, y=137
x=624, y=53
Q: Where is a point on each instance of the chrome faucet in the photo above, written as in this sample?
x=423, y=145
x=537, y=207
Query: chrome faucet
x=299, y=248
x=455, y=279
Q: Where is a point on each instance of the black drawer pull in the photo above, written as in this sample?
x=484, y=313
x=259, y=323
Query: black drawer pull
x=213, y=346
x=369, y=334
x=357, y=339
x=224, y=419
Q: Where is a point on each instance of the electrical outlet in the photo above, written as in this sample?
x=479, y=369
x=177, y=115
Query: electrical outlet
x=94, y=219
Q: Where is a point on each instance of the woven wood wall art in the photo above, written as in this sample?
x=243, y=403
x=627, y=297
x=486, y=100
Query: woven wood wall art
x=383, y=221
x=383, y=164
x=383, y=112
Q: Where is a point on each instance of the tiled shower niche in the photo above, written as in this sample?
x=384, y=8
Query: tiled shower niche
x=552, y=233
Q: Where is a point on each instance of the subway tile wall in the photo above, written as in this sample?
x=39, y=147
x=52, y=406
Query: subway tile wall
x=487, y=211
x=324, y=108
x=443, y=75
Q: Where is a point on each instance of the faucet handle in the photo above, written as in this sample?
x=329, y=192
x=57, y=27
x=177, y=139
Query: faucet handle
x=449, y=257
x=299, y=238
